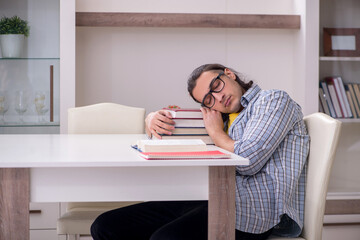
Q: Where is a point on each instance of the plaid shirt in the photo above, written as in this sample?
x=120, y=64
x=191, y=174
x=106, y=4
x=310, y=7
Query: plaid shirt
x=270, y=132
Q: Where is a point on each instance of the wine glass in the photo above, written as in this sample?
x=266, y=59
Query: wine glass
x=21, y=104
x=40, y=105
x=4, y=106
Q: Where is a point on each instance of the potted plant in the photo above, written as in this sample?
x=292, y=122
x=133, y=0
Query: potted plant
x=12, y=36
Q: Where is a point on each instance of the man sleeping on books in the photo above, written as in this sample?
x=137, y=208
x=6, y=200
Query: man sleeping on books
x=264, y=126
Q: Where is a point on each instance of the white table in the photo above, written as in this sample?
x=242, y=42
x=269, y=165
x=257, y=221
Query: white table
x=70, y=168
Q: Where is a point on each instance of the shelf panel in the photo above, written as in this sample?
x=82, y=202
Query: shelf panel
x=26, y=59
x=350, y=59
x=349, y=120
x=111, y=19
x=30, y=124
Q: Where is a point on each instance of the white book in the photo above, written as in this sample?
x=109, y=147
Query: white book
x=328, y=99
x=171, y=145
x=335, y=100
x=343, y=98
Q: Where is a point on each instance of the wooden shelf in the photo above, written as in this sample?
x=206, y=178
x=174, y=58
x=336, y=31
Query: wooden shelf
x=349, y=59
x=349, y=120
x=111, y=19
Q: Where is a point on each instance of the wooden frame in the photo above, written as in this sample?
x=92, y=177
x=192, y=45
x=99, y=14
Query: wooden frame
x=329, y=45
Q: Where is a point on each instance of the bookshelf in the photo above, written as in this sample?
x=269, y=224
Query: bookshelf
x=342, y=209
x=339, y=14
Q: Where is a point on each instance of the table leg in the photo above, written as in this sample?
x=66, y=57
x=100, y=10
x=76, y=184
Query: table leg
x=221, y=203
x=14, y=203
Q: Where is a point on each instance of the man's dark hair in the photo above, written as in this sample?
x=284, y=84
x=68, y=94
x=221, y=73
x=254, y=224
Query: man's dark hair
x=215, y=67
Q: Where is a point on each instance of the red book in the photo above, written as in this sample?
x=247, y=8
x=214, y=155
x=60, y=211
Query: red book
x=184, y=155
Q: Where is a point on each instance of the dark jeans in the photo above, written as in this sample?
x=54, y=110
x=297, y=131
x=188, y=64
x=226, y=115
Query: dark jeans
x=169, y=220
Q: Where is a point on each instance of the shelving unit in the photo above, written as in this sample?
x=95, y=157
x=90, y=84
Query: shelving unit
x=37, y=70
x=342, y=208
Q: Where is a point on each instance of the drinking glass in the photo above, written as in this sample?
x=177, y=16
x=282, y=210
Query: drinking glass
x=4, y=105
x=41, y=105
x=21, y=104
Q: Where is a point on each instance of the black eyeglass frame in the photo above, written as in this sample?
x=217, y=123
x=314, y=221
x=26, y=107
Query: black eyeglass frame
x=213, y=91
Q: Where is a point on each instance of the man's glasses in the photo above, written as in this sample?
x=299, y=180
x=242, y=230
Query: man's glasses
x=216, y=86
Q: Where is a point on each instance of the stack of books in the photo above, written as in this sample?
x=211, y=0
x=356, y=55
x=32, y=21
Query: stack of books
x=189, y=124
x=339, y=100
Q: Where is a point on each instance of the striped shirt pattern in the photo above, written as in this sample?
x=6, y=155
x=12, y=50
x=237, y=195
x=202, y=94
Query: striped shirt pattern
x=270, y=132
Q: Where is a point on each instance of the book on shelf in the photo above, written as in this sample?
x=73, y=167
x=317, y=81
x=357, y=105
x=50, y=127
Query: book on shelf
x=327, y=97
x=321, y=109
x=354, y=98
x=344, y=103
x=334, y=98
x=184, y=155
x=351, y=102
x=357, y=92
x=194, y=113
x=323, y=103
x=171, y=145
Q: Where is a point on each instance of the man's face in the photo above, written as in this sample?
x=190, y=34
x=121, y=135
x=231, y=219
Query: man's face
x=228, y=99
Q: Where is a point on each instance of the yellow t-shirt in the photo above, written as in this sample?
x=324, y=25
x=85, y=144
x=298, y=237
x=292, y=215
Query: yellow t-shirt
x=232, y=117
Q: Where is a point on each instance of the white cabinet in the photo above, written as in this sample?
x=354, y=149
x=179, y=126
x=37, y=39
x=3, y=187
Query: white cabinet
x=43, y=217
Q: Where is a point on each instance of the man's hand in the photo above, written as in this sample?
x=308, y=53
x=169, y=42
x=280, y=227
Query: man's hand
x=159, y=122
x=215, y=127
x=213, y=121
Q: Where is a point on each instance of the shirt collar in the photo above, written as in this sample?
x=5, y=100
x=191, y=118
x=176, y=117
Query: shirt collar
x=249, y=95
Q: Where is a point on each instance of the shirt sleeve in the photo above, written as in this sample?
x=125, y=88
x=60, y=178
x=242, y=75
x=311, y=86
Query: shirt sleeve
x=272, y=117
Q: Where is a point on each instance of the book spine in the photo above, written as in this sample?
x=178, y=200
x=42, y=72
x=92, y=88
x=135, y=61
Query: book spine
x=324, y=102
x=335, y=101
x=328, y=99
x=335, y=97
x=357, y=93
x=346, y=104
x=351, y=103
x=354, y=98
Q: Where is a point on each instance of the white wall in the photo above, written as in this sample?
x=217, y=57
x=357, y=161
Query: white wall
x=148, y=67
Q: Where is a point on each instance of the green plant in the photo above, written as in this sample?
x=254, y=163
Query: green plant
x=14, y=25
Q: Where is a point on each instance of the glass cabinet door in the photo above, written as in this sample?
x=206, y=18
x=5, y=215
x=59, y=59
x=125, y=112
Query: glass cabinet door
x=29, y=82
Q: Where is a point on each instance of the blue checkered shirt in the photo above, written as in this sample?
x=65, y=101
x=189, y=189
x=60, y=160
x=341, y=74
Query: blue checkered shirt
x=270, y=192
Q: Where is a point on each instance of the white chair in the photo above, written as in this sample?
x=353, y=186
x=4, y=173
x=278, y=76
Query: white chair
x=102, y=118
x=324, y=134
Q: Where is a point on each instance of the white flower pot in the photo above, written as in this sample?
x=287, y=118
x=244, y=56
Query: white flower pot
x=11, y=45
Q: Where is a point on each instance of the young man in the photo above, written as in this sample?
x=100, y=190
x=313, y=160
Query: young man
x=264, y=126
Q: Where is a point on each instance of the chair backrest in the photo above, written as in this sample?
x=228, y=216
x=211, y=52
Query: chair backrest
x=106, y=118
x=324, y=134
